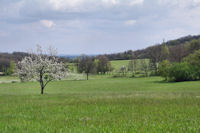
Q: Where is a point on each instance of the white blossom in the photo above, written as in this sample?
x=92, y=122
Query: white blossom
x=41, y=67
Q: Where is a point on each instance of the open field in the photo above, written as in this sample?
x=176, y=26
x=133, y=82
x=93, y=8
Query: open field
x=117, y=64
x=8, y=79
x=101, y=105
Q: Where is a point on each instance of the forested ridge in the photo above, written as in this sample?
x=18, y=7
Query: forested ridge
x=173, y=45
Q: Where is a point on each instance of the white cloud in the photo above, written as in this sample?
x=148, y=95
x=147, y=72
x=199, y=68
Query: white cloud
x=65, y=4
x=47, y=23
x=179, y=3
x=130, y=22
x=136, y=2
x=110, y=2
x=85, y=5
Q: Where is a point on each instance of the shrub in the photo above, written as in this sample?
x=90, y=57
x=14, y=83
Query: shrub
x=181, y=72
x=194, y=61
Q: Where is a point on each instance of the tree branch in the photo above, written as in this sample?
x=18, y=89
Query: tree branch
x=47, y=82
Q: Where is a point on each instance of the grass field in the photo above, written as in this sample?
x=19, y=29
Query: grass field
x=8, y=79
x=117, y=64
x=101, y=105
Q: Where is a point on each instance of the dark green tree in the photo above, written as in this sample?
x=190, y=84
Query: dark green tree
x=86, y=65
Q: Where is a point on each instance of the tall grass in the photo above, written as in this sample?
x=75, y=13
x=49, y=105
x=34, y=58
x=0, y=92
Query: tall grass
x=101, y=105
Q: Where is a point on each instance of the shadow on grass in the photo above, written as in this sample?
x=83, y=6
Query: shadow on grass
x=173, y=82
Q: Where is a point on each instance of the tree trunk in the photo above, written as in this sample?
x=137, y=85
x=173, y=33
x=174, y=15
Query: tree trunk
x=42, y=90
x=87, y=75
x=41, y=83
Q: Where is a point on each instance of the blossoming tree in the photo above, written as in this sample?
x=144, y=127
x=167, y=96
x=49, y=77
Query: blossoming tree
x=41, y=67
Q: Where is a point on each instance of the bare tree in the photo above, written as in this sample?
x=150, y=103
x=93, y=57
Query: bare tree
x=145, y=66
x=130, y=66
x=177, y=53
x=156, y=54
x=41, y=67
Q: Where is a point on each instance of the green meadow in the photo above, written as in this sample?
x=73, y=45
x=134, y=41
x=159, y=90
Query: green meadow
x=117, y=64
x=101, y=104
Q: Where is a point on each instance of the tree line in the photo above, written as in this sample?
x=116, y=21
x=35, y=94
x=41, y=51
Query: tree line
x=8, y=61
x=188, y=69
x=144, y=53
x=163, y=58
x=173, y=51
x=178, y=62
x=96, y=65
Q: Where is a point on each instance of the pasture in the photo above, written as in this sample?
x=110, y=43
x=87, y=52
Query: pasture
x=117, y=64
x=101, y=104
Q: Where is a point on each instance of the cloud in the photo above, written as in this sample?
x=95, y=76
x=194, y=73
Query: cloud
x=130, y=22
x=47, y=23
x=179, y=3
x=89, y=5
x=65, y=4
x=75, y=23
x=110, y=2
x=136, y=2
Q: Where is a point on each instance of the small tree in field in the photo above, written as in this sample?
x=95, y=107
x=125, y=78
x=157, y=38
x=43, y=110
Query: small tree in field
x=145, y=66
x=42, y=68
x=103, y=64
x=132, y=65
x=86, y=65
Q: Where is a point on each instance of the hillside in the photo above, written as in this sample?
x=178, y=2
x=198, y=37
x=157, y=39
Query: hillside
x=143, y=53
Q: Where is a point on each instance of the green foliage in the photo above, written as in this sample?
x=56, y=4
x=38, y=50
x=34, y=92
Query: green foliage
x=103, y=65
x=188, y=69
x=11, y=69
x=194, y=45
x=101, y=105
x=145, y=67
x=163, y=69
x=180, y=72
x=194, y=61
x=86, y=65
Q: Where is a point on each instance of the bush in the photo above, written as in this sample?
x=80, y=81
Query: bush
x=132, y=75
x=194, y=61
x=181, y=72
x=119, y=74
x=152, y=73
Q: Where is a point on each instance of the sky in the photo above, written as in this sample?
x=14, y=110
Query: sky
x=95, y=26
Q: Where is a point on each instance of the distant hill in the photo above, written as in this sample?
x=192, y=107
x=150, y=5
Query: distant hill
x=68, y=56
x=71, y=57
x=143, y=53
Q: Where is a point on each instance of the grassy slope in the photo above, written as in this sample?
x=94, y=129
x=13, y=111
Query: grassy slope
x=117, y=64
x=101, y=105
